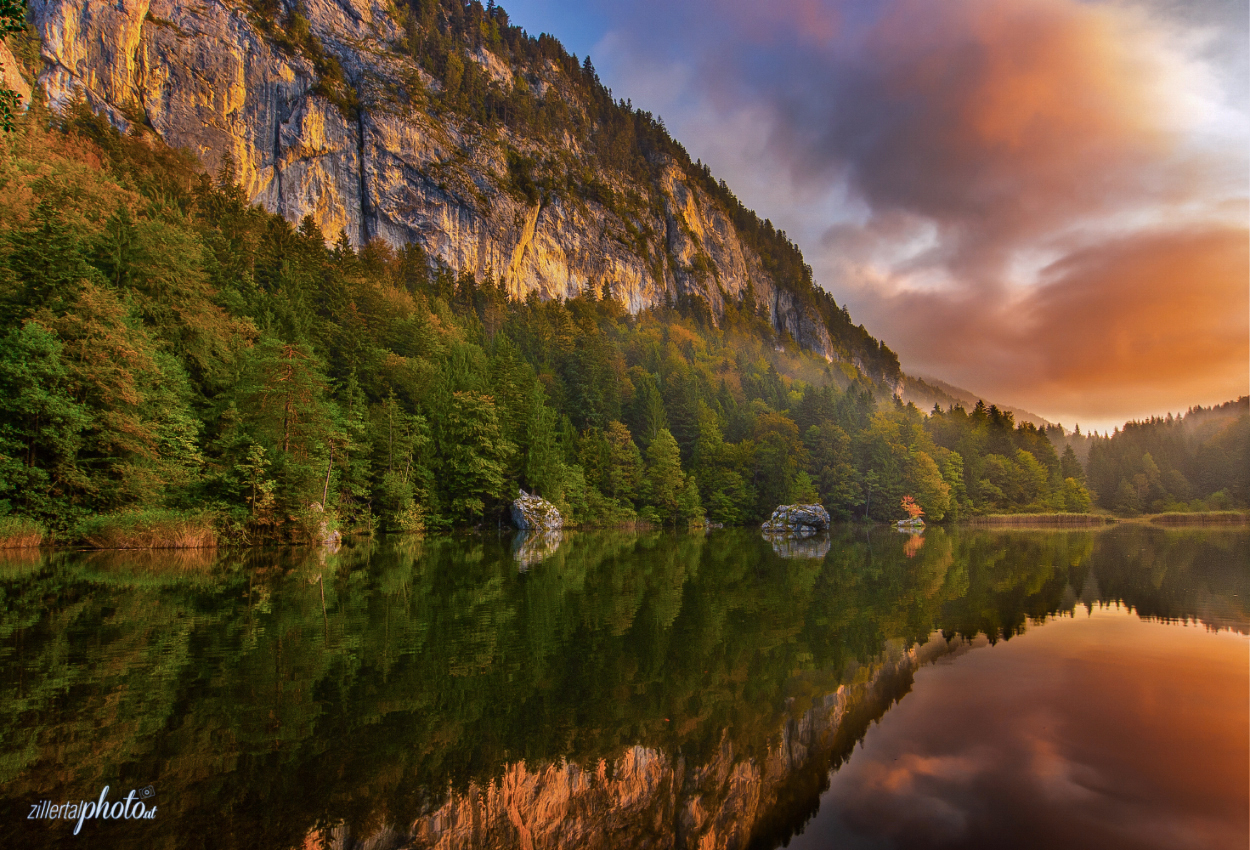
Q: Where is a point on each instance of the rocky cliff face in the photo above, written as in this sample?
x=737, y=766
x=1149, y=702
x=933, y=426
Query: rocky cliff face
x=207, y=75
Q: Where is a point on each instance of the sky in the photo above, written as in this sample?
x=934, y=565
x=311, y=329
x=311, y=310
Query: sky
x=1046, y=202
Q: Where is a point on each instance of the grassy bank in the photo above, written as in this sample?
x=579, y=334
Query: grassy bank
x=1041, y=520
x=152, y=529
x=1201, y=518
x=20, y=533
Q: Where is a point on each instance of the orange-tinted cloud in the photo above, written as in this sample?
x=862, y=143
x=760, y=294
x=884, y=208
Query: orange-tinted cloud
x=1042, y=200
x=1147, y=323
x=998, y=114
x=1145, y=316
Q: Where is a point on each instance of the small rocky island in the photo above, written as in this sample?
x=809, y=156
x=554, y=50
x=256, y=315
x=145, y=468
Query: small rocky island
x=797, y=520
x=532, y=513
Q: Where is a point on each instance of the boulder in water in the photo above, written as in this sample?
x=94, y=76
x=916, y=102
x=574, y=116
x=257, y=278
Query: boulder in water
x=801, y=520
x=530, y=513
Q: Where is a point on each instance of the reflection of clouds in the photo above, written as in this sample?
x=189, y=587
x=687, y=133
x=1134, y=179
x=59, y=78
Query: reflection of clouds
x=918, y=787
x=1104, y=731
x=959, y=768
x=1061, y=779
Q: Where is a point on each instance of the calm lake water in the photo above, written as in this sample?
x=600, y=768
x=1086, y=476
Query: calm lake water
x=864, y=690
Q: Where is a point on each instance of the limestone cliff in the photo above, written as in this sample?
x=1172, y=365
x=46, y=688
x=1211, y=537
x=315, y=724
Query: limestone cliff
x=338, y=122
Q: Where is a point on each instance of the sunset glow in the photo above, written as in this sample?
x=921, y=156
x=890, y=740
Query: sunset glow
x=1042, y=201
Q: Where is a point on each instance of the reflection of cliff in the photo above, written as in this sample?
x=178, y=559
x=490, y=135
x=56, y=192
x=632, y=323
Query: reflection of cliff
x=649, y=798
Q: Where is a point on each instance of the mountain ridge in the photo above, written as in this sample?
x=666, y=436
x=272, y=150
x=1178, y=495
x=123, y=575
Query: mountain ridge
x=441, y=124
x=925, y=390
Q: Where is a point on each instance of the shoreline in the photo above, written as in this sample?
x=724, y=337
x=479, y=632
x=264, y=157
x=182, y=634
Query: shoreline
x=1196, y=519
x=1172, y=520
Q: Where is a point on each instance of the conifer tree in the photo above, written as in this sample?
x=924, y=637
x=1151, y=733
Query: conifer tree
x=664, y=482
x=41, y=427
x=625, y=466
x=475, y=455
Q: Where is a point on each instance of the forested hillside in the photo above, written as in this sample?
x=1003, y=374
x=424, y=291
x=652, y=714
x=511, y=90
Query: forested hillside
x=177, y=357
x=1193, y=462
x=169, y=347
x=440, y=124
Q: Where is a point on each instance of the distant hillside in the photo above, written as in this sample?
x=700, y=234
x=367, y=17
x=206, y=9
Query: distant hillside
x=927, y=391
x=1199, y=461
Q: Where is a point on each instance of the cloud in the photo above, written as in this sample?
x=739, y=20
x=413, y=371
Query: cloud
x=1123, y=328
x=1148, y=314
x=973, y=176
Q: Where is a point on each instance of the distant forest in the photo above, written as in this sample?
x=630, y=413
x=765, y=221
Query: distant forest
x=173, y=354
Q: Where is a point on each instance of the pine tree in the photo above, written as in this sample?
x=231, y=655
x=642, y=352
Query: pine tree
x=475, y=455
x=648, y=416
x=1069, y=466
x=665, y=482
x=41, y=427
x=625, y=466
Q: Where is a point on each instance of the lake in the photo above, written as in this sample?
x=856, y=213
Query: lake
x=868, y=689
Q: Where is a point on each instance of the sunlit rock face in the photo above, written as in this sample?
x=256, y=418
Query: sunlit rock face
x=533, y=513
x=10, y=78
x=204, y=76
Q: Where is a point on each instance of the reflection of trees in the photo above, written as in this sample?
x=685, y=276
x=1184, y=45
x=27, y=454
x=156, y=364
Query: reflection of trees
x=1012, y=578
x=435, y=661
x=1177, y=574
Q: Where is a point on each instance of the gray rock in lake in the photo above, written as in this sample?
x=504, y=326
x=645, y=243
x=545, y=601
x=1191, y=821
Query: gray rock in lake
x=531, y=513
x=798, y=520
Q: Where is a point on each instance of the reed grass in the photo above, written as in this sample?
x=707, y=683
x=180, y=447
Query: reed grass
x=150, y=529
x=1042, y=520
x=1202, y=518
x=18, y=532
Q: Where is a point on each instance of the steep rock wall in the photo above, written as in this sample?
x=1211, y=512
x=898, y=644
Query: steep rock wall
x=204, y=76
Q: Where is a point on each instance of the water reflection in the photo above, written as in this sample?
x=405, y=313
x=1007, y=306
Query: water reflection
x=1102, y=731
x=533, y=547
x=626, y=688
x=796, y=546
